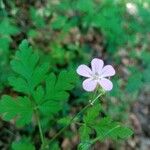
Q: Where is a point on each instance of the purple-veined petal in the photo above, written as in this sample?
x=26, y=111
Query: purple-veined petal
x=108, y=71
x=106, y=84
x=84, y=71
x=89, y=85
x=97, y=65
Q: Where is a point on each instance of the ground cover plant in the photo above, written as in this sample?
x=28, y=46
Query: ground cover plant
x=44, y=95
x=45, y=46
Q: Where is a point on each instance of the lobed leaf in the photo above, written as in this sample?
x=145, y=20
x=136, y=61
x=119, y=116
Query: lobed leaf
x=92, y=114
x=19, y=108
x=106, y=128
x=29, y=72
x=56, y=92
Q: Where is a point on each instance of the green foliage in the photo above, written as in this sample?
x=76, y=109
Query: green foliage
x=86, y=6
x=92, y=114
x=37, y=17
x=139, y=77
x=64, y=121
x=4, y=60
x=6, y=28
x=56, y=92
x=59, y=22
x=19, y=108
x=145, y=57
x=44, y=91
x=146, y=76
x=54, y=146
x=134, y=82
x=106, y=128
x=118, y=26
x=30, y=74
x=23, y=144
x=84, y=146
x=85, y=132
x=66, y=33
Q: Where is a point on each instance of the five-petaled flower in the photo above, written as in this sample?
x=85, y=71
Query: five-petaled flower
x=97, y=75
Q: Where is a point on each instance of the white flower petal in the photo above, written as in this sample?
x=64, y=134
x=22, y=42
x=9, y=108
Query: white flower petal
x=97, y=65
x=84, y=71
x=106, y=84
x=108, y=71
x=89, y=85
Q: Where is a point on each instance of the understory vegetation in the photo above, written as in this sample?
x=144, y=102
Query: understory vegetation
x=44, y=105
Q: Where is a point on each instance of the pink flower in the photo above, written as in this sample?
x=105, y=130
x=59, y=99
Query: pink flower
x=98, y=75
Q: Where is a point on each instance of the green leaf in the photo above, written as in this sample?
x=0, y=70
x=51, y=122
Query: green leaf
x=134, y=82
x=106, y=128
x=66, y=80
x=84, y=146
x=146, y=75
x=64, y=121
x=85, y=6
x=84, y=133
x=54, y=146
x=57, y=91
x=48, y=93
x=19, y=108
x=19, y=84
x=4, y=45
x=38, y=94
x=7, y=28
x=145, y=57
x=23, y=144
x=59, y=22
x=29, y=72
x=37, y=17
x=92, y=114
x=4, y=60
x=85, y=130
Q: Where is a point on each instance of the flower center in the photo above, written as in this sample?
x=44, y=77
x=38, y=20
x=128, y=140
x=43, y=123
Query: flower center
x=96, y=76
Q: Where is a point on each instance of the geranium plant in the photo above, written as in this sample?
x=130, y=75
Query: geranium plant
x=42, y=94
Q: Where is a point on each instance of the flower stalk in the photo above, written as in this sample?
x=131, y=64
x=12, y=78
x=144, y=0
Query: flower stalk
x=73, y=118
x=40, y=127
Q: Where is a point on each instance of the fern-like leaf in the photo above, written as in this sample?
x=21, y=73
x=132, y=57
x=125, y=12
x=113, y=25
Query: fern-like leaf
x=19, y=108
x=29, y=72
x=106, y=128
x=56, y=92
